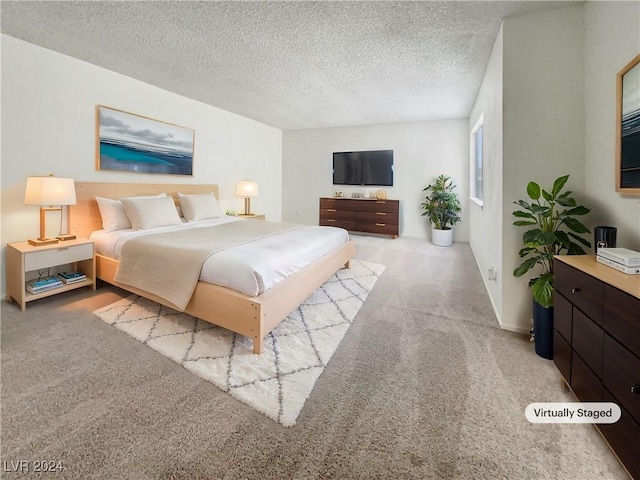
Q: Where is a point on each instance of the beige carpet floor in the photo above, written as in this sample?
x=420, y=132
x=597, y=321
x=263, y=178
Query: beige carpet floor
x=425, y=387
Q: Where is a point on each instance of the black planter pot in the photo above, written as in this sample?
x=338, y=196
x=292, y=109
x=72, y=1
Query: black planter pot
x=543, y=330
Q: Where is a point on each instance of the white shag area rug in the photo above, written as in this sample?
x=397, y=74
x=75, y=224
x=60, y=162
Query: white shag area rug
x=276, y=383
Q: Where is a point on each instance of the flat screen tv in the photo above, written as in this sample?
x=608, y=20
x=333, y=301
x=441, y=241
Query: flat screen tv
x=372, y=167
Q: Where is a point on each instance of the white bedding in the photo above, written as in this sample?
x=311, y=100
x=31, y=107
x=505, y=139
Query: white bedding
x=252, y=268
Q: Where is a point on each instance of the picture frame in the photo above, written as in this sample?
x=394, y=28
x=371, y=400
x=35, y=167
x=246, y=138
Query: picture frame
x=138, y=144
x=628, y=128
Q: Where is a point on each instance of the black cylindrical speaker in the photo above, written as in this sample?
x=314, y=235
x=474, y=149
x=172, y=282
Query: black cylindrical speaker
x=604, y=237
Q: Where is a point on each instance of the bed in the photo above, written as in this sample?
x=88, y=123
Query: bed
x=250, y=315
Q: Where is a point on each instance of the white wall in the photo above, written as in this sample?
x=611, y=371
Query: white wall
x=48, y=126
x=485, y=237
x=422, y=150
x=612, y=39
x=543, y=128
x=532, y=98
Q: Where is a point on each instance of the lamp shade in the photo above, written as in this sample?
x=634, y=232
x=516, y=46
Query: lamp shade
x=50, y=191
x=247, y=189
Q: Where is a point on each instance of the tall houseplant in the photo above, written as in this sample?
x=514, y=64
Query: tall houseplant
x=442, y=206
x=555, y=230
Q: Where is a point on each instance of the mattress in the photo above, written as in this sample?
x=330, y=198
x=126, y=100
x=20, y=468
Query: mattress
x=251, y=268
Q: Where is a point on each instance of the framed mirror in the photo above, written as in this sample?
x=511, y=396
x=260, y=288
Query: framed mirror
x=628, y=128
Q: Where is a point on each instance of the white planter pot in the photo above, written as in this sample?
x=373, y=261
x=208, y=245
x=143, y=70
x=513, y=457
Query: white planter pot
x=442, y=238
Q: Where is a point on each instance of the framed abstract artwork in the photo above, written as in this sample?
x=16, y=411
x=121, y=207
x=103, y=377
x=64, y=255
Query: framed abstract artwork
x=133, y=143
x=628, y=128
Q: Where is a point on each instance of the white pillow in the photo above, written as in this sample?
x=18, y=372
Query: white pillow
x=199, y=206
x=146, y=213
x=113, y=215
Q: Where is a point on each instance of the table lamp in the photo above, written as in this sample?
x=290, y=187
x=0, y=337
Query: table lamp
x=247, y=190
x=50, y=193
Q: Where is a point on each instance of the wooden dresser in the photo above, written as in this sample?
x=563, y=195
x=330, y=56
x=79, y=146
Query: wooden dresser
x=596, y=344
x=361, y=215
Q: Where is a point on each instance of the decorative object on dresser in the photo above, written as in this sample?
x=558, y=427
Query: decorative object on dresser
x=604, y=237
x=247, y=190
x=627, y=132
x=442, y=207
x=138, y=144
x=28, y=261
x=47, y=192
x=547, y=217
x=623, y=259
x=361, y=215
x=381, y=194
x=596, y=345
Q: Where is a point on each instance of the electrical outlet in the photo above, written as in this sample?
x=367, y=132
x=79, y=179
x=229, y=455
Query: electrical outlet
x=493, y=273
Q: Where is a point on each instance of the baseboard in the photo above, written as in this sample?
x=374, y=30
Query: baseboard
x=503, y=326
x=516, y=329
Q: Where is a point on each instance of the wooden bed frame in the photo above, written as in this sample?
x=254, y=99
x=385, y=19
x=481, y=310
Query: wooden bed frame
x=253, y=317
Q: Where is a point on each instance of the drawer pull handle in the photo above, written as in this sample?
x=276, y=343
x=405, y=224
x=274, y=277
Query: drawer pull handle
x=635, y=389
x=575, y=290
x=381, y=213
x=331, y=209
x=381, y=224
x=330, y=220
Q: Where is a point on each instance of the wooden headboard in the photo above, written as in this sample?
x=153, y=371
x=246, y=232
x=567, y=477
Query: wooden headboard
x=84, y=216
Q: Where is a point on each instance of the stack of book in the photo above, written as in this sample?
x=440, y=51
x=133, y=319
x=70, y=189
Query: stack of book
x=42, y=284
x=72, y=277
x=623, y=259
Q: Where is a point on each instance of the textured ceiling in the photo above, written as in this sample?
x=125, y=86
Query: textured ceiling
x=287, y=64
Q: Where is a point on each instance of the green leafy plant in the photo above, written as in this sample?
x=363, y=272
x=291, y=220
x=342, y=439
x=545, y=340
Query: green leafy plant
x=555, y=231
x=441, y=204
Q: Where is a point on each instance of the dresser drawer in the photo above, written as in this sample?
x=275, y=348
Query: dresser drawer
x=328, y=203
x=584, y=291
x=622, y=318
x=389, y=206
x=377, y=227
x=330, y=222
x=377, y=217
x=562, y=314
x=623, y=437
x=587, y=340
x=621, y=372
x=584, y=382
x=335, y=214
x=57, y=256
x=562, y=356
x=350, y=204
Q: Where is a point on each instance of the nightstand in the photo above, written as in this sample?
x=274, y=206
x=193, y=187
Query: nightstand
x=23, y=258
x=251, y=215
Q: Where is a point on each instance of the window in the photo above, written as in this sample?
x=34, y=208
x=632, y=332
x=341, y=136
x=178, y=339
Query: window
x=477, y=161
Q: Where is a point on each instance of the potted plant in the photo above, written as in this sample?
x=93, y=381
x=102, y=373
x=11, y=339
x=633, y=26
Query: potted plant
x=442, y=206
x=554, y=230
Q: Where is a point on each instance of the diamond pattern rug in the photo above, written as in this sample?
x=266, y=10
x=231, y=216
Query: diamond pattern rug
x=276, y=383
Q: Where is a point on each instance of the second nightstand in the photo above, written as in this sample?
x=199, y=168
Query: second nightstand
x=23, y=258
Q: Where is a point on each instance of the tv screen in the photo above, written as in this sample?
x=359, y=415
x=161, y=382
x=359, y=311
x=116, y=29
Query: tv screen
x=373, y=167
